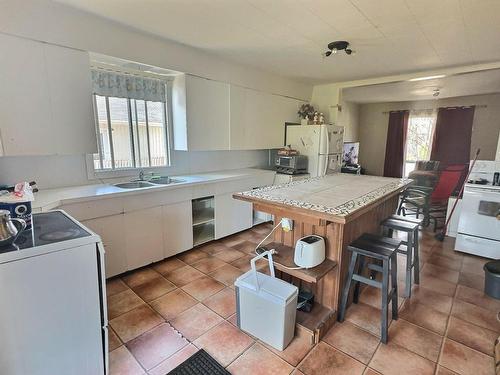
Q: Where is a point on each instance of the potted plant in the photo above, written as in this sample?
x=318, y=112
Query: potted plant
x=306, y=113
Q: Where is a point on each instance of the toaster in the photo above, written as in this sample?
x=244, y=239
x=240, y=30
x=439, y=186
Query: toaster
x=309, y=251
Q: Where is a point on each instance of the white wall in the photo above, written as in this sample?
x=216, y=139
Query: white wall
x=373, y=125
x=49, y=22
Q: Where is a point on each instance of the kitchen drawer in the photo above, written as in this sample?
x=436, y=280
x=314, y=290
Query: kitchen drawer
x=478, y=246
x=94, y=209
x=205, y=190
x=150, y=198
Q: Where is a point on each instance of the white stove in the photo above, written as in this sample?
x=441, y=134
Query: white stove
x=54, y=319
x=479, y=224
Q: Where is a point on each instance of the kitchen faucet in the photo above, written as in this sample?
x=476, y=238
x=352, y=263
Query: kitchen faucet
x=141, y=176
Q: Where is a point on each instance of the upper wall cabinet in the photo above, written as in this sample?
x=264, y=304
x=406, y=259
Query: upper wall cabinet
x=258, y=118
x=201, y=114
x=45, y=99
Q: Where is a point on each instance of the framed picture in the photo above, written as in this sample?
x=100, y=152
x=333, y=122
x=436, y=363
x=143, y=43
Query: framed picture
x=350, y=154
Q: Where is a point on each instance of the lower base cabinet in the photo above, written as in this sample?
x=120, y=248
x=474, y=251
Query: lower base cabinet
x=110, y=229
x=231, y=215
x=177, y=228
x=143, y=232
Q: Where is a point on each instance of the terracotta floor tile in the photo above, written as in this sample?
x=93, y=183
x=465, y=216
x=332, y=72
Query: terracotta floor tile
x=370, y=371
x=296, y=350
x=229, y=255
x=258, y=360
x=135, y=322
x=175, y=360
x=373, y=297
x=471, y=280
x=471, y=335
x=430, y=298
x=192, y=256
x=172, y=304
x=246, y=247
x=244, y=263
x=416, y=339
x=392, y=359
x=297, y=372
x=168, y=265
x=353, y=341
x=438, y=285
x=211, y=248
x=196, y=321
x=140, y=276
x=156, y=345
x=114, y=286
x=223, y=302
x=440, y=273
x=476, y=315
x=365, y=316
x=113, y=340
x=444, y=371
x=227, y=275
x=233, y=319
x=154, y=288
x=121, y=362
x=232, y=241
x=445, y=262
x=473, y=264
x=184, y=275
x=477, y=298
x=203, y=287
x=325, y=359
x=209, y=264
x=464, y=360
x=224, y=342
x=123, y=302
x=424, y=316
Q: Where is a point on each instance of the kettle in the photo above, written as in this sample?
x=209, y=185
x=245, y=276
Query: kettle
x=10, y=228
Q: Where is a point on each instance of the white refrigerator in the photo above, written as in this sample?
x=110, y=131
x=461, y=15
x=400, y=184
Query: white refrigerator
x=322, y=144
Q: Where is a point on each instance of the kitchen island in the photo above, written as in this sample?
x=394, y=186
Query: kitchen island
x=338, y=207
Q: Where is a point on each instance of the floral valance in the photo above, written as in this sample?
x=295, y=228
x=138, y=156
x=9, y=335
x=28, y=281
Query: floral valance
x=128, y=86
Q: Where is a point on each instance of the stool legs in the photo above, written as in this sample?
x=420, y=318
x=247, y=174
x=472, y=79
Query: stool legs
x=385, y=308
x=394, y=285
x=409, y=263
x=416, y=261
x=361, y=265
x=347, y=287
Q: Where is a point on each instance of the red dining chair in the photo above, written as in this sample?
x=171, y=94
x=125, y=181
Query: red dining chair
x=432, y=202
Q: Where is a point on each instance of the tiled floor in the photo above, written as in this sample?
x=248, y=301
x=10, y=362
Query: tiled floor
x=162, y=314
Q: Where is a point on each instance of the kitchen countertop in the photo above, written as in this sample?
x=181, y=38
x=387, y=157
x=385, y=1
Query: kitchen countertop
x=335, y=196
x=47, y=199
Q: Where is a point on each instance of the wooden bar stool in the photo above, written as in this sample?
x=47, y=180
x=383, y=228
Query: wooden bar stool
x=382, y=249
x=412, y=253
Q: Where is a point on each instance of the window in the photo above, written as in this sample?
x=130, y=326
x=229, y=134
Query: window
x=418, y=139
x=131, y=122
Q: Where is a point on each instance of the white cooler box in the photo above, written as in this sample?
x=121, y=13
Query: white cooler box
x=266, y=306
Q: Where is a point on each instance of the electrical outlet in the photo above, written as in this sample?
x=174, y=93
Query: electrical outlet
x=287, y=224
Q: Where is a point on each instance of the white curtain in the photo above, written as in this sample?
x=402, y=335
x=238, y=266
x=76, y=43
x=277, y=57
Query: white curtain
x=108, y=83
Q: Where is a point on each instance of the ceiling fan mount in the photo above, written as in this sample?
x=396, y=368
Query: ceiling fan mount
x=338, y=45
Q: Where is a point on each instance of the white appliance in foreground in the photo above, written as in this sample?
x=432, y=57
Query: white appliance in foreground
x=322, y=144
x=479, y=223
x=53, y=318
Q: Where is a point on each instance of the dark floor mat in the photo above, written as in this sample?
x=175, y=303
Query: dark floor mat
x=200, y=363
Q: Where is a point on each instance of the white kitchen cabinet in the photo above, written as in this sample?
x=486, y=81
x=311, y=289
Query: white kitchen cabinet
x=201, y=114
x=45, y=101
x=110, y=229
x=258, y=119
x=231, y=215
x=143, y=232
x=177, y=228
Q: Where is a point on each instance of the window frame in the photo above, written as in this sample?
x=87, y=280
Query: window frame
x=432, y=115
x=95, y=174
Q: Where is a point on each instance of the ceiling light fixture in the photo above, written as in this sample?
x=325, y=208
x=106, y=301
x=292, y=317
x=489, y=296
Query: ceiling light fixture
x=426, y=78
x=335, y=47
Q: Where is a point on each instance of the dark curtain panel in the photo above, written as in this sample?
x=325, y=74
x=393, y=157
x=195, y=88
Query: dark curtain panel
x=452, y=136
x=396, y=142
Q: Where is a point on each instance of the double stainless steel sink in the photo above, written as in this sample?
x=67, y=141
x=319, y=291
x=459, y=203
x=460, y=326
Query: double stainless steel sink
x=155, y=181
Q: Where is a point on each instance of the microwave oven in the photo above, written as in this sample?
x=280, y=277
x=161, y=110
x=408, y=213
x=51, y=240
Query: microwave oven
x=294, y=164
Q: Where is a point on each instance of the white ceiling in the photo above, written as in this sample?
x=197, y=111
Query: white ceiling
x=289, y=36
x=477, y=83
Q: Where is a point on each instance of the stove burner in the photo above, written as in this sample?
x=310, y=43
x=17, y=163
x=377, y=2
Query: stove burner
x=60, y=235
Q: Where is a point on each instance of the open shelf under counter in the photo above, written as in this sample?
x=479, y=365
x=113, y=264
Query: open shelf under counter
x=203, y=216
x=283, y=261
